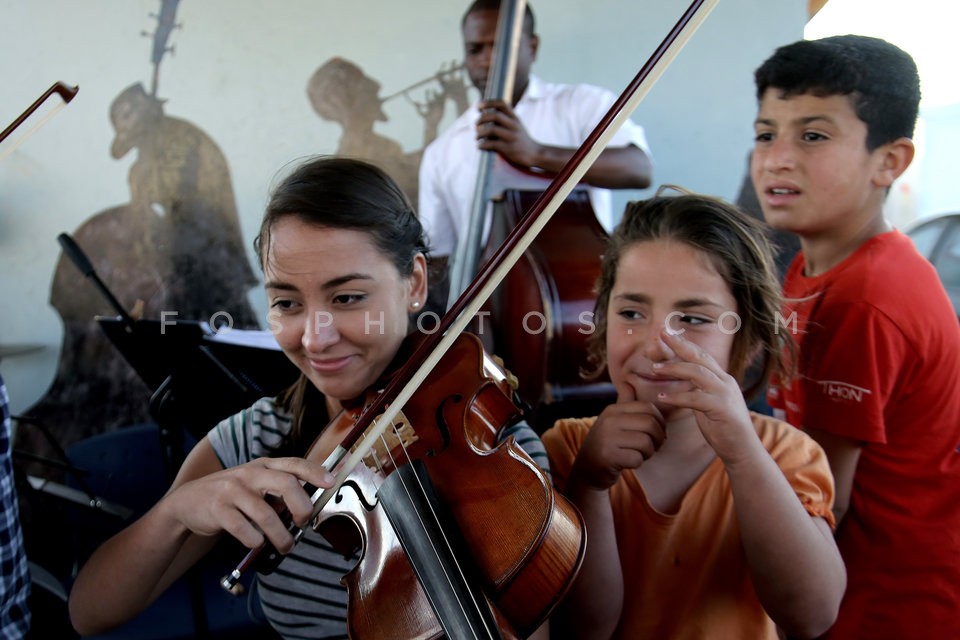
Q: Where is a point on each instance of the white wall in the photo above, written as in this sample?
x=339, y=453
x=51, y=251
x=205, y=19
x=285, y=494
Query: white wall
x=239, y=72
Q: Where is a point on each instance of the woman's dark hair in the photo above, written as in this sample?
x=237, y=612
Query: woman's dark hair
x=340, y=193
x=345, y=193
x=736, y=245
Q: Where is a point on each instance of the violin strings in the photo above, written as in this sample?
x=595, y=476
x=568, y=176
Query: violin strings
x=436, y=519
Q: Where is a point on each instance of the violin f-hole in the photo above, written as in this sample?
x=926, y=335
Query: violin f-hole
x=361, y=498
x=441, y=422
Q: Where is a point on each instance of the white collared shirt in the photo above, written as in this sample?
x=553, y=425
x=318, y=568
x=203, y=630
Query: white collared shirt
x=553, y=114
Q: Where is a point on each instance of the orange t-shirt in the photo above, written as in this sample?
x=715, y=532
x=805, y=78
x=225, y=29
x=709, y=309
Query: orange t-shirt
x=686, y=574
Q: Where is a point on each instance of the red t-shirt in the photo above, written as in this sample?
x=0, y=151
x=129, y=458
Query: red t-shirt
x=879, y=363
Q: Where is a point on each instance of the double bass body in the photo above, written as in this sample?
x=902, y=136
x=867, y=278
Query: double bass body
x=541, y=316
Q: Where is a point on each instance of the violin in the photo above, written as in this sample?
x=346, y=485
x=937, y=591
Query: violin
x=499, y=548
x=467, y=533
x=527, y=540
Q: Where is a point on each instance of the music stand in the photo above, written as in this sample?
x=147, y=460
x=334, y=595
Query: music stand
x=198, y=376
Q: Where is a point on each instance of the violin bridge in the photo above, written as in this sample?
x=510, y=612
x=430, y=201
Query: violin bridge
x=512, y=381
x=399, y=436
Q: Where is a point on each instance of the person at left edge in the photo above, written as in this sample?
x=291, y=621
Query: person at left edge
x=14, y=571
x=341, y=248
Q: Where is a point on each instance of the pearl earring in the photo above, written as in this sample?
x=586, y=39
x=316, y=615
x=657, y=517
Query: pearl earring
x=415, y=304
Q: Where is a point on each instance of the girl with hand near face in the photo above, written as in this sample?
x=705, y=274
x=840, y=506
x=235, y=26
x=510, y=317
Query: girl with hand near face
x=344, y=263
x=703, y=519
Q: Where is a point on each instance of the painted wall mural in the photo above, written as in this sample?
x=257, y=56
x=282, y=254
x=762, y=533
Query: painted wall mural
x=341, y=92
x=176, y=247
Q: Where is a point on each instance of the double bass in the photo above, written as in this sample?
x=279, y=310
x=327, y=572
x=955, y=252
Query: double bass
x=539, y=319
x=541, y=316
x=430, y=412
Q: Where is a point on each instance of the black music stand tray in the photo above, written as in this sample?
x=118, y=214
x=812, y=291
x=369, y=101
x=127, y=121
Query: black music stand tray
x=198, y=376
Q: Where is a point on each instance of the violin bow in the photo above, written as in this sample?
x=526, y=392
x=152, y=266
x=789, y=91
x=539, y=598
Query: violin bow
x=65, y=92
x=381, y=413
x=390, y=402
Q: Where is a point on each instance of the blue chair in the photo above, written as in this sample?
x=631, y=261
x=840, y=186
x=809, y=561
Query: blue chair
x=129, y=468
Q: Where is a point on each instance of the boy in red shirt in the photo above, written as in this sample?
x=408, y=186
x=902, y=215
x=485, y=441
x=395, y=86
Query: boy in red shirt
x=878, y=382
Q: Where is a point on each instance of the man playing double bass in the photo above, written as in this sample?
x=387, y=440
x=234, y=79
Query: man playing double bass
x=533, y=136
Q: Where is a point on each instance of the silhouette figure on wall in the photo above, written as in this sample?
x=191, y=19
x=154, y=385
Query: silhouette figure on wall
x=175, y=247
x=182, y=176
x=341, y=92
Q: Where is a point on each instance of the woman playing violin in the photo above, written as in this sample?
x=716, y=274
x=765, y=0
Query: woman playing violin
x=345, y=267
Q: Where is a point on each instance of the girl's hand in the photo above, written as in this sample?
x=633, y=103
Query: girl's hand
x=235, y=500
x=716, y=399
x=624, y=435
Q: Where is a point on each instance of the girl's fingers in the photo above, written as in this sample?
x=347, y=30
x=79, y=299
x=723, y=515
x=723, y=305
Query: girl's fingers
x=687, y=350
x=705, y=368
x=241, y=528
x=625, y=393
x=696, y=400
x=642, y=427
x=288, y=485
x=259, y=484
